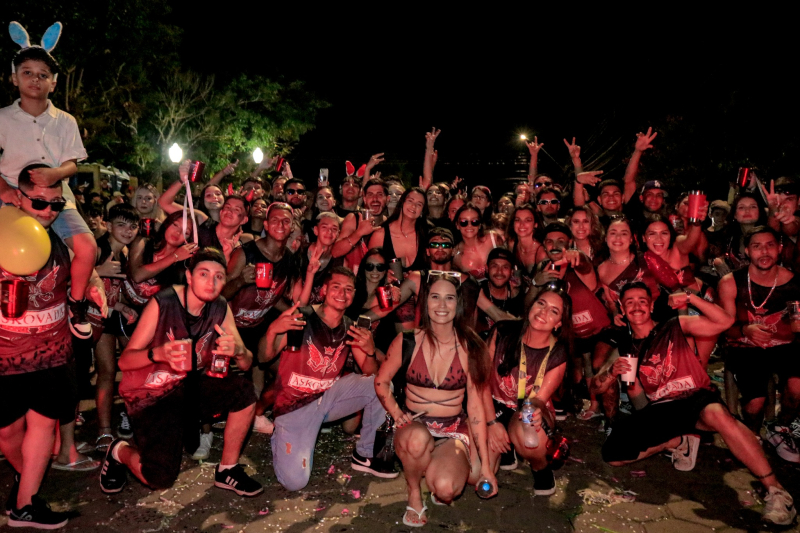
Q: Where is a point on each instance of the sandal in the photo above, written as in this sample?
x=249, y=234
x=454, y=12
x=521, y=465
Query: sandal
x=106, y=439
x=434, y=501
x=588, y=415
x=421, y=518
x=81, y=465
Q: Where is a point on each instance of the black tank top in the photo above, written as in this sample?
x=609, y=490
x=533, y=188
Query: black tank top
x=207, y=237
x=773, y=313
x=422, y=239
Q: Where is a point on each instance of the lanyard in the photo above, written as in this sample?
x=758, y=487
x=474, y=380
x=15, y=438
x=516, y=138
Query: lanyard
x=188, y=210
x=523, y=370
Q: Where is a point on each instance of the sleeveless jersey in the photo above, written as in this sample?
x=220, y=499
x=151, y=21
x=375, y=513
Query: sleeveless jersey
x=207, y=236
x=113, y=286
x=669, y=368
x=39, y=339
x=140, y=293
x=774, y=314
x=589, y=315
x=505, y=388
x=515, y=306
x=304, y=376
x=636, y=271
x=251, y=304
x=143, y=387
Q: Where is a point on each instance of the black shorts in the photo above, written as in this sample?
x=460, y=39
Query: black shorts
x=753, y=367
x=162, y=429
x=53, y=393
x=656, y=424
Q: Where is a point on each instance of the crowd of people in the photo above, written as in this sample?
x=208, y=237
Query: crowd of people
x=463, y=326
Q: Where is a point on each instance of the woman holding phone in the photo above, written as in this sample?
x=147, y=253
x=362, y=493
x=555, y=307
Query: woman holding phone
x=446, y=361
x=539, y=343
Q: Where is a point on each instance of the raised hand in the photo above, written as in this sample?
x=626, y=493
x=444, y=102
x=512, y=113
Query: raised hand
x=430, y=138
x=313, y=261
x=644, y=140
x=574, y=149
x=590, y=177
x=226, y=343
x=362, y=338
x=374, y=161
x=433, y=156
x=183, y=170
x=288, y=320
x=186, y=251
x=534, y=146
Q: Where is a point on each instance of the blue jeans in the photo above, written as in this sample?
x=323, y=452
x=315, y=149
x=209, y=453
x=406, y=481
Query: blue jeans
x=295, y=433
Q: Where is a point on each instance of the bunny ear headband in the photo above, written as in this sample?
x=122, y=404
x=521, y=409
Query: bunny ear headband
x=21, y=37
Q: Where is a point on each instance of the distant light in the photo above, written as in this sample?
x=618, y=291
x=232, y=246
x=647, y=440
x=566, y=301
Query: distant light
x=175, y=153
x=258, y=156
x=523, y=137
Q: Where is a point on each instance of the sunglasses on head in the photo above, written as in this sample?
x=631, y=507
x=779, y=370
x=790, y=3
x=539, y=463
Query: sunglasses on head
x=548, y=202
x=41, y=205
x=474, y=223
x=380, y=267
x=440, y=245
x=292, y=192
x=436, y=275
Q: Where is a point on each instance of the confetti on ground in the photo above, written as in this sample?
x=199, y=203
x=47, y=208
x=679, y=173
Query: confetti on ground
x=331, y=470
x=576, y=459
x=356, y=494
x=612, y=497
x=264, y=511
x=318, y=509
x=345, y=511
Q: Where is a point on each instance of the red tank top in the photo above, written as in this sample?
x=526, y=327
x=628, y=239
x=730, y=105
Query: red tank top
x=251, y=304
x=305, y=375
x=39, y=339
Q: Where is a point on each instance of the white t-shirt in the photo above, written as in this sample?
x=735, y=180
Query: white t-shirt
x=51, y=138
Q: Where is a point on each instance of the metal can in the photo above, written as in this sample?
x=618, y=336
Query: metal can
x=196, y=171
x=264, y=276
x=147, y=227
x=384, y=297
x=14, y=297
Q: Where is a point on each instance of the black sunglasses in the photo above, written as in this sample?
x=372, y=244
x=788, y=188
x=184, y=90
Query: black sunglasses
x=41, y=205
x=474, y=223
x=440, y=245
x=291, y=192
x=380, y=267
x=548, y=202
x=542, y=184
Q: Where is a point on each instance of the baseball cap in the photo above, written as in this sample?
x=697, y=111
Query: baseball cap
x=655, y=184
x=720, y=204
x=501, y=253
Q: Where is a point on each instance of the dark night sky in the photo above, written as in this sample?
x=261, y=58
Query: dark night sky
x=485, y=77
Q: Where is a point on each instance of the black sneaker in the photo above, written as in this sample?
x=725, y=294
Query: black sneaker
x=113, y=475
x=237, y=480
x=124, y=430
x=37, y=515
x=78, y=324
x=11, y=502
x=508, y=460
x=374, y=466
x=544, y=482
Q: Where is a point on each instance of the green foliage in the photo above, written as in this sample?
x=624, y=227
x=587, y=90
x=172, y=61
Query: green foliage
x=121, y=78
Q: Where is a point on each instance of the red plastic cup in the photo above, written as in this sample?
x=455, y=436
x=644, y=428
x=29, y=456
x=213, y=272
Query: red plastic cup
x=13, y=297
x=264, y=275
x=696, y=201
x=185, y=345
x=384, y=297
x=147, y=227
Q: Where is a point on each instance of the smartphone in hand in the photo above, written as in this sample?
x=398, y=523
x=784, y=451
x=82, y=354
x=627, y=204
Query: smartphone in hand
x=323, y=177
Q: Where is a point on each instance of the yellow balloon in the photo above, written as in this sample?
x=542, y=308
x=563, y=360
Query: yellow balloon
x=24, y=243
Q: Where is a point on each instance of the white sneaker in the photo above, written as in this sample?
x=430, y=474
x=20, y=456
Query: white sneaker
x=684, y=456
x=264, y=425
x=204, y=449
x=785, y=446
x=779, y=507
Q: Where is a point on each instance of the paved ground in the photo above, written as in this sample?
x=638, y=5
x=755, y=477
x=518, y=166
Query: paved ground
x=717, y=496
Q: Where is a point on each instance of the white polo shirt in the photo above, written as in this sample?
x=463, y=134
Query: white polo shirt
x=51, y=138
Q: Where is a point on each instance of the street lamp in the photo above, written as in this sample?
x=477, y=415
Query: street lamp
x=523, y=137
x=175, y=153
x=258, y=156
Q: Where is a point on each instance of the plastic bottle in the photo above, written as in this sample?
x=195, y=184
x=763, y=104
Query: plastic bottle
x=531, y=438
x=484, y=488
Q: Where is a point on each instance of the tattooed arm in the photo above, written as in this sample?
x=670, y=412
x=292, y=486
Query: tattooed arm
x=477, y=421
x=383, y=381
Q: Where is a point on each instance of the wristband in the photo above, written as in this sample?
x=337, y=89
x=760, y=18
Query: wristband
x=373, y=354
x=491, y=422
x=176, y=256
x=151, y=355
